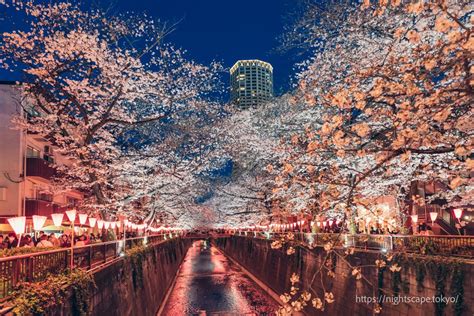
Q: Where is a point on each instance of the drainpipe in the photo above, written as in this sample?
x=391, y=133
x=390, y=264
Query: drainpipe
x=22, y=211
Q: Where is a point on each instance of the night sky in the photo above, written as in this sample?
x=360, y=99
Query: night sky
x=221, y=30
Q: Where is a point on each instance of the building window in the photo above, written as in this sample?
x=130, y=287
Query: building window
x=43, y=196
x=32, y=152
x=48, y=154
x=72, y=201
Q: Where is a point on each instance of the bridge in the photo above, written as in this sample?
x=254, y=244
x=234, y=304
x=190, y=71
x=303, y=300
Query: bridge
x=246, y=273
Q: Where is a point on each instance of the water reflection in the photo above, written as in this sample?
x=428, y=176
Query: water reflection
x=209, y=284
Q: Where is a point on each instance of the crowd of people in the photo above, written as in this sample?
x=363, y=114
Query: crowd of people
x=425, y=230
x=43, y=240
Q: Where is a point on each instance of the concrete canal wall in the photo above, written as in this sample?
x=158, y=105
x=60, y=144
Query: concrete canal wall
x=420, y=277
x=135, y=287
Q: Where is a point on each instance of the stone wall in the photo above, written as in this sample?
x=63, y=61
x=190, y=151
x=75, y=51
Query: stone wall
x=421, y=276
x=123, y=290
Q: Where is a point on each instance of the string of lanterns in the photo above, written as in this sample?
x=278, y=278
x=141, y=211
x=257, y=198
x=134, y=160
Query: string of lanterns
x=291, y=226
x=329, y=223
x=18, y=223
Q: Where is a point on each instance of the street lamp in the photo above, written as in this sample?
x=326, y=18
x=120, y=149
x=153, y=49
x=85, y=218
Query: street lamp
x=18, y=224
x=433, y=216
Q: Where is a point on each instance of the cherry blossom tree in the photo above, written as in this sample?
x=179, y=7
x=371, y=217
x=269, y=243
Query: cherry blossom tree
x=166, y=173
x=89, y=78
x=395, y=96
x=394, y=91
x=254, y=140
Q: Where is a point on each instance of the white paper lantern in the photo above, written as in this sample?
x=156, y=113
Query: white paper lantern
x=92, y=221
x=57, y=218
x=82, y=218
x=457, y=213
x=71, y=215
x=18, y=224
x=38, y=221
x=100, y=224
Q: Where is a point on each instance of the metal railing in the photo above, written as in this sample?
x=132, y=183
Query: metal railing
x=36, y=266
x=447, y=245
x=205, y=236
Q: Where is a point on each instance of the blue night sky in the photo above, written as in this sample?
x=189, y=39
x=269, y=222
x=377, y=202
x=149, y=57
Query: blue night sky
x=225, y=30
x=220, y=30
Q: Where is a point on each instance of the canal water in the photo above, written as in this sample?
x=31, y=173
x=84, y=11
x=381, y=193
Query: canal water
x=210, y=284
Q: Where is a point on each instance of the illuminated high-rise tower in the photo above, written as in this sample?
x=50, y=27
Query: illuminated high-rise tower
x=251, y=83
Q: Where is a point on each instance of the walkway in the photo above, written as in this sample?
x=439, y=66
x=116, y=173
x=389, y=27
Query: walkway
x=209, y=284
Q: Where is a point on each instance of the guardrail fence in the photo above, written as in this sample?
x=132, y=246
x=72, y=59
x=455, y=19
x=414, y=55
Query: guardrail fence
x=36, y=266
x=448, y=245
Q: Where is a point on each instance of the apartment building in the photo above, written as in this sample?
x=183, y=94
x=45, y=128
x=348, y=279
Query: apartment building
x=27, y=165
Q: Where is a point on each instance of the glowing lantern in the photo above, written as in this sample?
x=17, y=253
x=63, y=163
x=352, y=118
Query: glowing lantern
x=57, y=218
x=325, y=223
x=92, y=221
x=414, y=218
x=112, y=225
x=100, y=224
x=82, y=218
x=457, y=213
x=106, y=225
x=433, y=216
x=18, y=224
x=318, y=224
x=38, y=221
x=71, y=215
x=330, y=222
x=338, y=221
x=312, y=223
x=118, y=224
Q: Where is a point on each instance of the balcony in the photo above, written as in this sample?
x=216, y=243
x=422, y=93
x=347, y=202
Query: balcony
x=38, y=167
x=39, y=207
x=42, y=207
